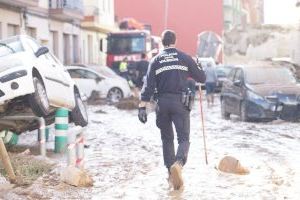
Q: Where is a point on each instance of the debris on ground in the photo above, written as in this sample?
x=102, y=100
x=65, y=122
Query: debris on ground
x=27, y=168
x=131, y=103
x=100, y=112
x=76, y=177
x=232, y=165
x=95, y=99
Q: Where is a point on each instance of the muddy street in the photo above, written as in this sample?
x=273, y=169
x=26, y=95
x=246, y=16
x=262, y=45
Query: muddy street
x=125, y=158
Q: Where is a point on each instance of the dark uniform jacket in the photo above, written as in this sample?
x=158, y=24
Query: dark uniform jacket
x=168, y=72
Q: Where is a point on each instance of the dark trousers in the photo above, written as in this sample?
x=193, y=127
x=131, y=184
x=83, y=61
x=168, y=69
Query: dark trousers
x=170, y=110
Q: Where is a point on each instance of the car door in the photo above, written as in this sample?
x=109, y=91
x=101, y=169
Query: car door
x=227, y=91
x=85, y=80
x=44, y=68
x=237, y=91
x=65, y=94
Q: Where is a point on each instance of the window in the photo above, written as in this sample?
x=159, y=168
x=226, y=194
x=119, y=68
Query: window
x=231, y=74
x=11, y=45
x=79, y=73
x=54, y=42
x=31, y=32
x=90, y=49
x=67, y=48
x=90, y=75
x=126, y=45
x=75, y=49
x=238, y=75
x=12, y=30
x=76, y=73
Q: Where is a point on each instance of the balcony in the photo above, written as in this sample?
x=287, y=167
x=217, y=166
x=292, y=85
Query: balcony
x=92, y=20
x=66, y=9
x=91, y=15
x=21, y=3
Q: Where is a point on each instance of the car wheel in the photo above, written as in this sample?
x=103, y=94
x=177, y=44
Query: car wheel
x=39, y=101
x=225, y=115
x=243, y=112
x=79, y=114
x=114, y=95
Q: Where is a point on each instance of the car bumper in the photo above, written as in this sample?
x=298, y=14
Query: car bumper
x=289, y=112
x=15, y=88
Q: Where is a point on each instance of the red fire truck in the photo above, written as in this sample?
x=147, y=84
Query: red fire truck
x=131, y=44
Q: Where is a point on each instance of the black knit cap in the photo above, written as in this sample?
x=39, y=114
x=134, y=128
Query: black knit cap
x=168, y=38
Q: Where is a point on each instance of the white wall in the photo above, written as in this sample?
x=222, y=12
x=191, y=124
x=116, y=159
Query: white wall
x=97, y=56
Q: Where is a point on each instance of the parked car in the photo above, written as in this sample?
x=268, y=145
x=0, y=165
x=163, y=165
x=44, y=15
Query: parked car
x=222, y=73
x=31, y=77
x=261, y=92
x=100, y=79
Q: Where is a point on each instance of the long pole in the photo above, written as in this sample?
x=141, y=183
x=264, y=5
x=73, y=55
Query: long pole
x=202, y=120
x=6, y=162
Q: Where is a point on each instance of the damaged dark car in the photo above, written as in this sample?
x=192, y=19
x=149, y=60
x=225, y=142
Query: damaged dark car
x=261, y=93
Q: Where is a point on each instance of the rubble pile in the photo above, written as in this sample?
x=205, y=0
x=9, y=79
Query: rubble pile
x=260, y=43
x=131, y=103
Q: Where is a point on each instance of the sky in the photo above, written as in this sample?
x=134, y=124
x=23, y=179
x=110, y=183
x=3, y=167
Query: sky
x=281, y=12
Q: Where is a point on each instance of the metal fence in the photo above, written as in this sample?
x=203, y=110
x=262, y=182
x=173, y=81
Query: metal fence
x=68, y=4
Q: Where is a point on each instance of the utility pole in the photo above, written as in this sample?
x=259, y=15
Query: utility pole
x=166, y=14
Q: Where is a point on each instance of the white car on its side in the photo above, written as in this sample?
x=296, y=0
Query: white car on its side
x=32, y=77
x=100, y=79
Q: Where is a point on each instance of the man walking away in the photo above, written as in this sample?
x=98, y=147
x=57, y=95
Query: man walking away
x=167, y=74
x=210, y=84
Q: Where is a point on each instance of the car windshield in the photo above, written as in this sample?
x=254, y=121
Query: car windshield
x=104, y=71
x=222, y=71
x=126, y=45
x=10, y=46
x=269, y=75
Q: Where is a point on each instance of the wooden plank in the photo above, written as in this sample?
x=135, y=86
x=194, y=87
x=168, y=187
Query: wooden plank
x=6, y=162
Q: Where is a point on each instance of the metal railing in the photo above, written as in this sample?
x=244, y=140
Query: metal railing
x=42, y=127
x=67, y=4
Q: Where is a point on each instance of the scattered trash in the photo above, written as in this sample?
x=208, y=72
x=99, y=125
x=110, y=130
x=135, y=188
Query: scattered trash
x=100, y=112
x=76, y=177
x=27, y=168
x=131, y=103
x=231, y=165
x=95, y=99
x=26, y=152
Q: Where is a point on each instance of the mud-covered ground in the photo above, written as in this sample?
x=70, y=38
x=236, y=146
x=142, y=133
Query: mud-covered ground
x=125, y=160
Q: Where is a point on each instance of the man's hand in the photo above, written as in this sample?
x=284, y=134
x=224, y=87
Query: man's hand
x=142, y=114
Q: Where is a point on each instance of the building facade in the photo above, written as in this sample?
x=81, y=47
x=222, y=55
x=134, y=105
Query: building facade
x=98, y=21
x=187, y=18
x=58, y=24
x=240, y=13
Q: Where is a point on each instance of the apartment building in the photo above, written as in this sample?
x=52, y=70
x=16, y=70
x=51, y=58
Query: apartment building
x=57, y=24
x=98, y=21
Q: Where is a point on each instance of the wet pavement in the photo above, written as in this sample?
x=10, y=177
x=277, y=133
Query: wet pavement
x=125, y=159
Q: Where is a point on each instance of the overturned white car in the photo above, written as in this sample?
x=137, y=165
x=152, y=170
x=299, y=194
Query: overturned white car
x=31, y=77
